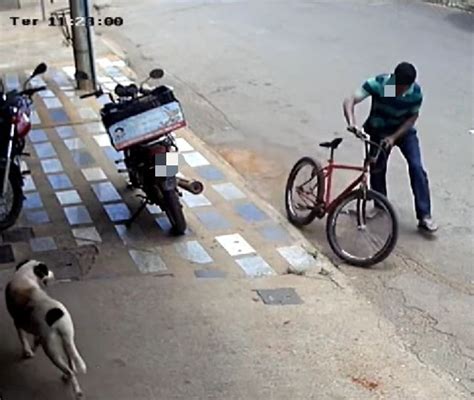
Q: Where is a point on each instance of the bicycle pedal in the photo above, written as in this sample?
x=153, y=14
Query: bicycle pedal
x=26, y=172
x=121, y=171
x=26, y=154
x=119, y=161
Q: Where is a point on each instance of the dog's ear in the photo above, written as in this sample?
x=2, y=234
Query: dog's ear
x=41, y=271
x=21, y=264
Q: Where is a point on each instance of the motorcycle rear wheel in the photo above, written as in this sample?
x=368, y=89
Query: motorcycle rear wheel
x=174, y=210
x=11, y=205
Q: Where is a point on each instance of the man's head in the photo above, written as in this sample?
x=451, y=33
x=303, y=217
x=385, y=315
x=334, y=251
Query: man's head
x=405, y=75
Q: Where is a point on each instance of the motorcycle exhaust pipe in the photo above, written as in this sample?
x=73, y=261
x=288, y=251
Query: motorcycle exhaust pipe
x=192, y=186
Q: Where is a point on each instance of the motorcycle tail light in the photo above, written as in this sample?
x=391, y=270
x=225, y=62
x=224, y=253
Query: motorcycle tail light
x=23, y=124
x=157, y=150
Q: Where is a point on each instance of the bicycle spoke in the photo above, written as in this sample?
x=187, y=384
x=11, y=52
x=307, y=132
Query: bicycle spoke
x=302, y=196
x=360, y=231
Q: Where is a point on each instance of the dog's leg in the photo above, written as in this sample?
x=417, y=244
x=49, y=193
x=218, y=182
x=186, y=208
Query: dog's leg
x=54, y=350
x=75, y=358
x=25, y=344
x=36, y=343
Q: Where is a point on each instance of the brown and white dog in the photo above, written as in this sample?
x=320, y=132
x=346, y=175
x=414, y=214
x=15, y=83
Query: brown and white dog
x=36, y=313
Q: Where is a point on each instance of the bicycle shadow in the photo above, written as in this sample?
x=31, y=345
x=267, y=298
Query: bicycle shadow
x=316, y=234
x=407, y=233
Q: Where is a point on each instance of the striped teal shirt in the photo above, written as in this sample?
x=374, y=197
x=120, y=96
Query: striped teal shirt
x=389, y=111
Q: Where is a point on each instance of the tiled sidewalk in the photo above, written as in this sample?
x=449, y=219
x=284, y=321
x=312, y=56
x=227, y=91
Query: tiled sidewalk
x=76, y=196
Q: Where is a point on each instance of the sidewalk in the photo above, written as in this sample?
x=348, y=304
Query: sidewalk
x=179, y=318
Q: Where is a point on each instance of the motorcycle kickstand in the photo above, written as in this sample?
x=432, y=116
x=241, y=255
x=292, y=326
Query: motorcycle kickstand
x=135, y=215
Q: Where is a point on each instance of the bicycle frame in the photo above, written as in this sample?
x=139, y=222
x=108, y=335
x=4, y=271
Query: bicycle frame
x=328, y=175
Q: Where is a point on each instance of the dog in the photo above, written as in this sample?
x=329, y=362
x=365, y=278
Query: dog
x=35, y=312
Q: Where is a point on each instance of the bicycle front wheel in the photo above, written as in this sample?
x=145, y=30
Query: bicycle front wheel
x=363, y=228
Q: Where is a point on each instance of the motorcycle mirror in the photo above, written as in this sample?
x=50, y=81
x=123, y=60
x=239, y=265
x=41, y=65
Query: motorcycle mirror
x=40, y=69
x=156, y=73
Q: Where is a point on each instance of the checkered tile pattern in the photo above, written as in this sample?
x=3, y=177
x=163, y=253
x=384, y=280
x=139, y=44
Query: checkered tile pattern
x=76, y=195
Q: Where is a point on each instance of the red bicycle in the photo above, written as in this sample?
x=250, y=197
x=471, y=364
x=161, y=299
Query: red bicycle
x=362, y=226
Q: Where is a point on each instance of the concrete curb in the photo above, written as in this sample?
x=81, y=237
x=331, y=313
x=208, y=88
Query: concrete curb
x=459, y=4
x=324, y=265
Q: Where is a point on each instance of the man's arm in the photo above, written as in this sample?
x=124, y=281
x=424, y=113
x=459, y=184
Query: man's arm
x=404, y=128
x=407, y=125
x=350, y=103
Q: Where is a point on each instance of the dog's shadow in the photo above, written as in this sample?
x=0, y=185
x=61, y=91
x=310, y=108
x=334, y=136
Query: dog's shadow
x=20, y=378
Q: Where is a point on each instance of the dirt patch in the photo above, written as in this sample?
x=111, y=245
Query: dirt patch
x=266, y=176
x=248, y=162
x=366, y=383
x=74, y=263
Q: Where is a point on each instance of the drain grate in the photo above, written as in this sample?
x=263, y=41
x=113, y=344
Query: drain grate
x=280, y=297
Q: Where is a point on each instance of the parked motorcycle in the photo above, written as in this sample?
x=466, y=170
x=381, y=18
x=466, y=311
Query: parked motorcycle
x=15, y=124
x=140, y=123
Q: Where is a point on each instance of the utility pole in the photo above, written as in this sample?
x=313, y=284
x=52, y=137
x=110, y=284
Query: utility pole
x=43, y=10
x=82, y=45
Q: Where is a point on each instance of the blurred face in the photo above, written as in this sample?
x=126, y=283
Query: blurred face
x=400, y=89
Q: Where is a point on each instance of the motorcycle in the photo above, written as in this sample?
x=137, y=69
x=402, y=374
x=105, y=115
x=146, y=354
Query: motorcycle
x=15, y=124
x=123, y=116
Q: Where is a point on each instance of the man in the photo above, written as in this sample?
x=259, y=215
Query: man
x=396, y=102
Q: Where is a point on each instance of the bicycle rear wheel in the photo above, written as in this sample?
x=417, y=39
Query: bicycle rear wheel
x=304, y=192
x=363, y=228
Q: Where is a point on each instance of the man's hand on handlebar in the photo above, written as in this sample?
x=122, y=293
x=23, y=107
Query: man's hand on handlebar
x=359, y=133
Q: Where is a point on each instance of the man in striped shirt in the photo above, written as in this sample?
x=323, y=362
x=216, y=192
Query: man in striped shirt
x=396, y=102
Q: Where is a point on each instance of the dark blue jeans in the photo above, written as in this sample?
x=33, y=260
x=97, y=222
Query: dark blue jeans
x=410, y=148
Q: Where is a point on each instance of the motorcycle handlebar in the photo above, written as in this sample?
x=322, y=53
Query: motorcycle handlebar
x=32, y=91
x=126, y=91
x=97, y=93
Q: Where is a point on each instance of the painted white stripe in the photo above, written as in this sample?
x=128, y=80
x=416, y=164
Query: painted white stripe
x=147, y=262
x=235, y=244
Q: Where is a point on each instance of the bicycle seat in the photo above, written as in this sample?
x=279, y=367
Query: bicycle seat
x=332, y=145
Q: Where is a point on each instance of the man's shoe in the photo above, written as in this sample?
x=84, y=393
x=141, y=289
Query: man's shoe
x=427, y=224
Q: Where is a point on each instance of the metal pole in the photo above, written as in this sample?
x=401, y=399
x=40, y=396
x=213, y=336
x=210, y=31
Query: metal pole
x=82, y=46
x=43, y=10
x=90, y=43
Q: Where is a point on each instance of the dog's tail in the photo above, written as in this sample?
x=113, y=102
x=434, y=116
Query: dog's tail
x=66, y=332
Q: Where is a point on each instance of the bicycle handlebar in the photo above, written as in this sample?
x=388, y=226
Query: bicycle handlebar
x=362, y=135
x=359, y=133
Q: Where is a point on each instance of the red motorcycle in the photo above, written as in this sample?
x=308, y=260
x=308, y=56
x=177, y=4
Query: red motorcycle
x=15, y=124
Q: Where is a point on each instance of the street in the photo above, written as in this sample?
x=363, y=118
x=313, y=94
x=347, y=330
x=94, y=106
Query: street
x=244, y=306
x=263, y=83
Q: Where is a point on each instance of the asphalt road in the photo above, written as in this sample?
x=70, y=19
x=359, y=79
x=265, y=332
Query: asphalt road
x=263, y=81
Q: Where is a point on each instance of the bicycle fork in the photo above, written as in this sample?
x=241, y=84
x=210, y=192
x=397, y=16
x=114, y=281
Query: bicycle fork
x=362, y=207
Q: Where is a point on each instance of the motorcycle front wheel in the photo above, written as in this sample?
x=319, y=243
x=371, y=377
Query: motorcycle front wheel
x=174, y=211
x=12, y=203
